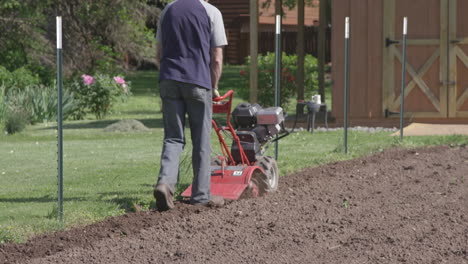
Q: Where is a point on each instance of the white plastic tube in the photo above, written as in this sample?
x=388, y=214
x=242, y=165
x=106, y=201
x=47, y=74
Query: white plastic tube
x=278, y=24
x=405, y=25
x=59, y=32
x=347, y=27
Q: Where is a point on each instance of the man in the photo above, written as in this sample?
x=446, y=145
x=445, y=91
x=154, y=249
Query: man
x=190, y=42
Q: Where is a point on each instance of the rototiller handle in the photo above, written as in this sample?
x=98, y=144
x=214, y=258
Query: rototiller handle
x=223, y=106
x=221, y=98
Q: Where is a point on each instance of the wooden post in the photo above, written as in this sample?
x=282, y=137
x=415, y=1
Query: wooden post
x=323, y=25
x=253, y=51
x=300, y=50
x=388, y=64
x=279, y=9
x=450, y=47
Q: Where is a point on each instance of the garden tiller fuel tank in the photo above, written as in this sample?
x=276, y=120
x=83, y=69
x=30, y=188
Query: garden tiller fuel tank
x=243, y=170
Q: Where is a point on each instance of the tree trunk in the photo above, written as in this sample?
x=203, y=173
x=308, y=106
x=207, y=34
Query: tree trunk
x=253, y=51
x=300, y=52
x=321, y=47
x=279, y=11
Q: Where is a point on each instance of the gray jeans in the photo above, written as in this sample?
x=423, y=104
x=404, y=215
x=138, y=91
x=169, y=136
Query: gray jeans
x=179, y=99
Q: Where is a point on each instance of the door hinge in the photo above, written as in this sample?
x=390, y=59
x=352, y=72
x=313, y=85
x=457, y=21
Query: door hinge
x=388, y=113
x=389, y=42
x=455, y=41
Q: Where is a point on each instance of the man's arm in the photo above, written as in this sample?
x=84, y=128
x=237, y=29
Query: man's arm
x=216, y=65
x=158, y=54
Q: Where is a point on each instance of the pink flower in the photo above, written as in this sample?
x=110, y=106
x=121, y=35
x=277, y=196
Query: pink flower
x=119, y=80
x=242, y=72
x=87, y=79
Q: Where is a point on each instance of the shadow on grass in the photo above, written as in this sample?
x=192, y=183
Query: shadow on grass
x=101, y=124
x=129, y=202
x=42, y=199
x=179, y=188
x=142, y=112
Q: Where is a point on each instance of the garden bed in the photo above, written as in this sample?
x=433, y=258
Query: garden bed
x=400, y=205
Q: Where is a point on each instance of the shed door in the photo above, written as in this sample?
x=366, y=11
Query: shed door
x=458, y=44
x=437, y=58
x=425, y=94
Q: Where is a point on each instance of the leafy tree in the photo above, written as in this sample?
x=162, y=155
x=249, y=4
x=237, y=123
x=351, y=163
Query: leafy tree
x=105, y=35
x=22, y=41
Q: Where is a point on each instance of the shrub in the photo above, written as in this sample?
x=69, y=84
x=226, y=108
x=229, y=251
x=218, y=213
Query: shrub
x=97, y=94
x=44, y=103
x=18, y=79
x=2, y=104
x=266, y=78
x=38, y=103
x=16, y=120
x=7, y=235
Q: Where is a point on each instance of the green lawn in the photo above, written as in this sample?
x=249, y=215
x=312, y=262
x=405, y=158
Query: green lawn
x=106, y=174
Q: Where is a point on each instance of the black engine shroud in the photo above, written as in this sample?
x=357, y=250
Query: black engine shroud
x=255, y=127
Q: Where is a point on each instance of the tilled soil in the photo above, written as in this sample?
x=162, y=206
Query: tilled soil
x=398, y=206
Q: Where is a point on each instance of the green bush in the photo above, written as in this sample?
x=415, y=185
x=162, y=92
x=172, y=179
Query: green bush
x=18, y=79
x=16, y=120
x=2, y=104
x=97, y=94
x=38, y=103
x=266, y=78
x=7, y=235
x=44, y=103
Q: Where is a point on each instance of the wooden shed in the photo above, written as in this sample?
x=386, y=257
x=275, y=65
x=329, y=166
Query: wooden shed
x=236, y=17
x=437, y=60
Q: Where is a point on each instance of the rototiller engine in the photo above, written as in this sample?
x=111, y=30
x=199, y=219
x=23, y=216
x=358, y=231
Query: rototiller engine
x=243, y=170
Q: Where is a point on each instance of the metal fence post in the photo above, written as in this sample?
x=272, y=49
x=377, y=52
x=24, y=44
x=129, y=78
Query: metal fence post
x=277, y=70
x=403, y=75
x=346, y=85
x=59, y=119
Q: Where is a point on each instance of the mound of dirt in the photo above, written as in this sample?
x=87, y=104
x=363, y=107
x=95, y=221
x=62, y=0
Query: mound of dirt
x=127, y=126
x=397, y=206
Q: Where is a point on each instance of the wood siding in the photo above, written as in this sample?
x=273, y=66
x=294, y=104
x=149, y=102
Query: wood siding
x=436, y=88
x=234, y=13
x=236, y=21
x=288, y=43
x=365, y=75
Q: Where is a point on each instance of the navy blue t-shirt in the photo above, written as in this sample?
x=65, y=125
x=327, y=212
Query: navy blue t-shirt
x=188, y=30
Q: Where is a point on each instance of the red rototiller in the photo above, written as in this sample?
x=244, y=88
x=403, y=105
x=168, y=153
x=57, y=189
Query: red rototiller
x=243, y=170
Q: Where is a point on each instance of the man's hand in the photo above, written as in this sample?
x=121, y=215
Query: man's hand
x=215, y=92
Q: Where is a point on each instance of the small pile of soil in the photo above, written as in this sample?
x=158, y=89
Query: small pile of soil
x=127, y=126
